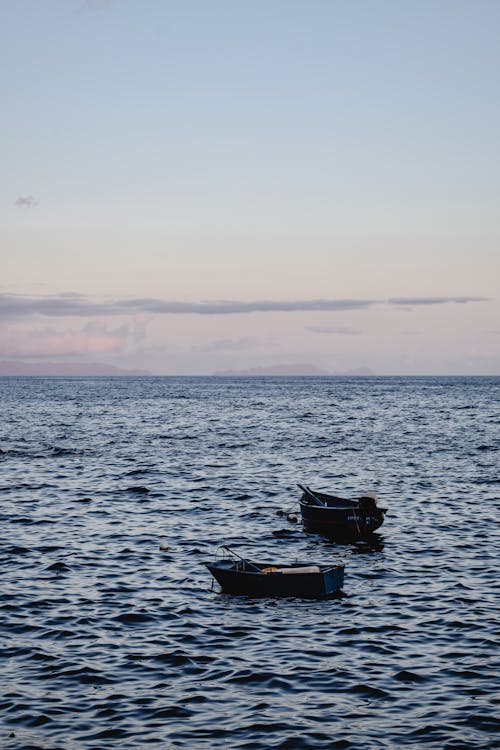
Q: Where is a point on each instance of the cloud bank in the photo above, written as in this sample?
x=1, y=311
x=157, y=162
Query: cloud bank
x=73, y=305
x=93, y=338
x=411, y=301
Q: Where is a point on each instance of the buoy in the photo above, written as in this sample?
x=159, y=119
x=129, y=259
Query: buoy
x=164, y=546
x=292, y=517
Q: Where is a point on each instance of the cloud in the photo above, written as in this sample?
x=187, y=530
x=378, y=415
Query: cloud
x=26, y=201
x=67, y=305
x=63, y=305
x=93, y=338
x=75, y=305
x=333, y=330
x=410, y=301
x=232, y=307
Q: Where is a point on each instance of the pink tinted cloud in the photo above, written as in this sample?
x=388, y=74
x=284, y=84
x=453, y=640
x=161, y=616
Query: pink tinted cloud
x=93, y=338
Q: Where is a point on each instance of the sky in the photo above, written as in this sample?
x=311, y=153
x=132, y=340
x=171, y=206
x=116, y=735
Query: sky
x=197, y=186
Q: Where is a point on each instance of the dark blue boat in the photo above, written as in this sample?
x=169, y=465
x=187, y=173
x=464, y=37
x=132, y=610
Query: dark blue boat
x=303, y=580
x=338, y=517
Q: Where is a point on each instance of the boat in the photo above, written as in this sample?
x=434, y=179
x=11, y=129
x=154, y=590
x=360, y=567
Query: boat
x=335, y=516
x=304, y=580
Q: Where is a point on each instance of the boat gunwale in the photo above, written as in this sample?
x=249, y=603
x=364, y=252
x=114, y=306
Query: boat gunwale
x=354, y=506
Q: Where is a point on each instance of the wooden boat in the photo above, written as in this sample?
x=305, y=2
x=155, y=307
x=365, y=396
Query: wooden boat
x=338, y=517
x=303, y=580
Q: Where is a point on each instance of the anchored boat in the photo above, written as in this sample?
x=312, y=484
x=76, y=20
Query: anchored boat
x=303, y=580
x=338, y=517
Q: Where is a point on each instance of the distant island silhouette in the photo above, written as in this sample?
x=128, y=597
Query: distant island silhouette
x=301, y=370
x=16, y=367
x=76, y=369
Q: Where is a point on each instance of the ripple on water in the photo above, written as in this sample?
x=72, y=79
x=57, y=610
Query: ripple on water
x=108, y=641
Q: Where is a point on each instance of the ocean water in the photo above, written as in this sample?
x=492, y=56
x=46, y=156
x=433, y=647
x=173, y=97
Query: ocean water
x=106, y=640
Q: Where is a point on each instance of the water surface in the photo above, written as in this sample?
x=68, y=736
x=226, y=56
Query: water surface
x=109, y=641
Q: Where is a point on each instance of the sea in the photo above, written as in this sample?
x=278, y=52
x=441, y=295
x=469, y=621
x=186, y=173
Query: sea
x=115, y=492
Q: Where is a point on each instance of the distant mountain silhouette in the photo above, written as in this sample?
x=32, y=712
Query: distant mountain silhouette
x=300, y=370
x=16, y=367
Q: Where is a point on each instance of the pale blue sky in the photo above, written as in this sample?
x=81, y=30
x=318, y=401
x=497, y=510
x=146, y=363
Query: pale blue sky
x=248, y=151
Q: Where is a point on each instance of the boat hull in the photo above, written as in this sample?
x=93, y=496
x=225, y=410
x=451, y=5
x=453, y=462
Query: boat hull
x=325, y=583
x=342, y=518
x=340, y=522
